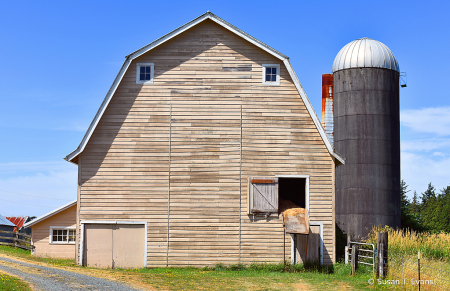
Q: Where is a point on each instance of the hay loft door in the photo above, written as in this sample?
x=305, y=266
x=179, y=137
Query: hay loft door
x=263, y=195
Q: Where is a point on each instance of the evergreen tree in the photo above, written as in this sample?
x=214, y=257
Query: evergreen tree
x=414, y=206
x=432, y=213
x=408, y=218
x=429, y=194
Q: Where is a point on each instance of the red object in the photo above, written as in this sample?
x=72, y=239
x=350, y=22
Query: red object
x=263, y=181
x=19, y=221
x=327, y=105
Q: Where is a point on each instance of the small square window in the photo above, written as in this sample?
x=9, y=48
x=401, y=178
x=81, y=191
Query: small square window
x=62, y=235
x=145, y=73
x=271, y=74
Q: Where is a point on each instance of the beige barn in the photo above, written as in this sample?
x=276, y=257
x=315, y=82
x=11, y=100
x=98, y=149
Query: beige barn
x=203, y=136
x=54, y=234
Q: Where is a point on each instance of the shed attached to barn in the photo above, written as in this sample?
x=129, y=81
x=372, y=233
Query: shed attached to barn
x=202, y=138
x=53, y=234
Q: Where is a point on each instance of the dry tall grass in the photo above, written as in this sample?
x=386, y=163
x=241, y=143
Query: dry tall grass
x=404, y=246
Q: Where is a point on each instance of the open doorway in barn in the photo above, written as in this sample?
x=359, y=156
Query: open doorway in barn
x=292, y=193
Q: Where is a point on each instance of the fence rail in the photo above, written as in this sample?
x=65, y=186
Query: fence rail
x=349, y=254
x=16, y=239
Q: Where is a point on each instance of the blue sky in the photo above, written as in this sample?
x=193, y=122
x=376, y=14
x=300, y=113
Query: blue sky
x=59, y=59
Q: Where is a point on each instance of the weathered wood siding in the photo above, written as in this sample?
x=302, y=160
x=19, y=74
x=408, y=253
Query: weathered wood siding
x=41, y=230
x=179, y=153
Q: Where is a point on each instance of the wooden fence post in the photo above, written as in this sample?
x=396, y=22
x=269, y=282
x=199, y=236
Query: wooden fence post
x=382, y=254
x=354, y=259
x=418, y=267
x=346, y=250
x=385, y=252
x=380, y=262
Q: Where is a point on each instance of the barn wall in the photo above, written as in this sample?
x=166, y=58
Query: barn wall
x=41, y=230
x=179, y=153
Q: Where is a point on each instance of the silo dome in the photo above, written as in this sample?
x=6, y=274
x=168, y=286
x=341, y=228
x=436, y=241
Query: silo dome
x=365, y=53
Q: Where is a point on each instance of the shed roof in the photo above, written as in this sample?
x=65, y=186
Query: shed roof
x=19, y=221
x=208, y=15
x=51, y=213
x=4, y=221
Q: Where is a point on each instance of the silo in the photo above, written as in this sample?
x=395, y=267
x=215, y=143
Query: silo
x=367, y=134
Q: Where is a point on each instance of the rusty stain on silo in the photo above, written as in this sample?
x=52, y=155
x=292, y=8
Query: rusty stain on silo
x=327, y=105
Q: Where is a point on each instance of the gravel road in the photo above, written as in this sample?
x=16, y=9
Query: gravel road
x=52, y=279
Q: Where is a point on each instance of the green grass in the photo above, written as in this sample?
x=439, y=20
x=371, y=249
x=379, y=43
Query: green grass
x=256, y=277
x=25, y=254
x=10, y=283
x=234, y=277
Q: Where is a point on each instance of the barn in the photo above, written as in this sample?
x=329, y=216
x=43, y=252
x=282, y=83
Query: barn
x=205, y=137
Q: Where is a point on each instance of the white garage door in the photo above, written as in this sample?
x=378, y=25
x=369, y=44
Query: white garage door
x=114, y=245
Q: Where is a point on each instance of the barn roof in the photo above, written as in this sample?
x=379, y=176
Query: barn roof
x=208, y=15
x=51, y=213
x=18, y=221
x=4, y=221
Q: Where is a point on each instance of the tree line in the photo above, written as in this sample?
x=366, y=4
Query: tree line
x=429, y=212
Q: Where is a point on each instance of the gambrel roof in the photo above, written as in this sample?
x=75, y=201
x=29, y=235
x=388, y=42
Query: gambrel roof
x=208, y=15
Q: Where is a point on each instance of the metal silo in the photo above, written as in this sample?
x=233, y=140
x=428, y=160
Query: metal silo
x=367, y=134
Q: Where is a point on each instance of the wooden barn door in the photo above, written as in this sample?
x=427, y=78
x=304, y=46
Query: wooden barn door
x=128, y=246
x=98, y=245
x=114, y=245
x=313, y=251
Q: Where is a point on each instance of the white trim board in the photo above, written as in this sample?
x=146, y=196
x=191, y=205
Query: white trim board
x=83, y=222
x=208, y=15
x=51, y=213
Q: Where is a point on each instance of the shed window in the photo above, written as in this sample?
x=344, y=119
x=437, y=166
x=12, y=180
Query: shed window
x=145, y=73
x=271, y=74
x=62, y=235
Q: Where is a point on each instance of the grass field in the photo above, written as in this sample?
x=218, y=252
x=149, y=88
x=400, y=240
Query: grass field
x=10, y=283
x=235, y=277
x=403, y=259
x=403, y=248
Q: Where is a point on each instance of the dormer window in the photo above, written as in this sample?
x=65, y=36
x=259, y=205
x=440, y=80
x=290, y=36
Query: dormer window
x=145, y=73
x=271, y=74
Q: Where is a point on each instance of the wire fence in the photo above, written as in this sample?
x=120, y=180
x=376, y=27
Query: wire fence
x=411, y=272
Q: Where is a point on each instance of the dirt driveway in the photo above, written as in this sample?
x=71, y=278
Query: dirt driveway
x=54, y=279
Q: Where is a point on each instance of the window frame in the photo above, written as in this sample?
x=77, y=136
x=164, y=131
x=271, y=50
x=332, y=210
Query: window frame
x=68, y=228
x=152, y=73
x=270, y=83
x=276, y=178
